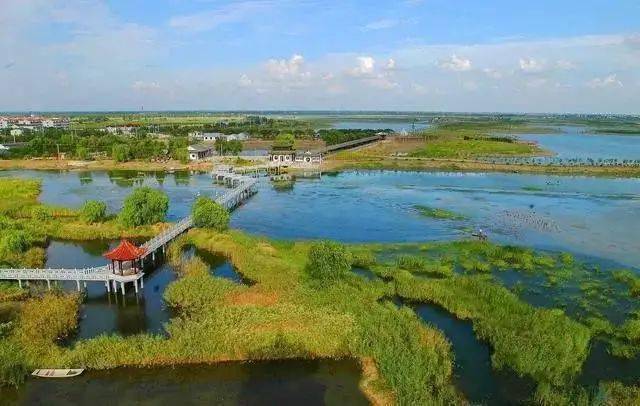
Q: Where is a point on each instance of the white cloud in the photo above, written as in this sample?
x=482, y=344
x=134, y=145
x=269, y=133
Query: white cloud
x=227, y=14
x=366, y=65
x=142, y=86
x=381, y=24
x=607, y=81
x=245, y=81
x=287, y=69
x=492, y=73
x=456, y=64
x=391, y=64
x=530, y=65
x=563, y=64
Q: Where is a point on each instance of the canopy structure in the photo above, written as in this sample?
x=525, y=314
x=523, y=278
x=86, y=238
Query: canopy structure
x=126, y=252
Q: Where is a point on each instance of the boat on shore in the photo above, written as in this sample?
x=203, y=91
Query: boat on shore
x=57, y=373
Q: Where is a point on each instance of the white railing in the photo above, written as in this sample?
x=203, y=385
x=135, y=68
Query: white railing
x=102, y=273
x=86, y=274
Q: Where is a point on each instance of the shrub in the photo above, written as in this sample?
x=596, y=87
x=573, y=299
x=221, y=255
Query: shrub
x=209, y=214
x=144, y=206
x=93, y=211
x=328, y=261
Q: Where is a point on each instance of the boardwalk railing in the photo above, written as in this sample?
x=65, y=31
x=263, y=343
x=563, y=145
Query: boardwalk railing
x=100, y=273
x=243, y=187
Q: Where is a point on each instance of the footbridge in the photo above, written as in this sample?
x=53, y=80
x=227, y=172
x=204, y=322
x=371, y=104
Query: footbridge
x=241, y=188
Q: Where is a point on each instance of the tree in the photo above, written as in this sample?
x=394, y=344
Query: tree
x=144, y=206
x=328, y=261
x=120, y=153
x=93, y=211
x=284, y=141
x=209, y=214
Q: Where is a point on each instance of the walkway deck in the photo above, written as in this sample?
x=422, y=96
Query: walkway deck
x=242, y=188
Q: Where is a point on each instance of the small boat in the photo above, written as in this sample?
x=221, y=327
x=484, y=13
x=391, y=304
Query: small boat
x=57, y=373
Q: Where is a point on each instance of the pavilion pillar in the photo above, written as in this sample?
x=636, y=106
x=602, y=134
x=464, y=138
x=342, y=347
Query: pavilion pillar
x=20, y=283
x=106, y=283
x=78, y=285
x=48, y=284
x=142, y=283
x=115, y=286
x=122, y=287
x=135, y=285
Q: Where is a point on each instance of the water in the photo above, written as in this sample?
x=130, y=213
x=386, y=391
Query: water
x=259, y=383
x=571, y=143
x=219, y=265
x=380, y=124
x=364, y=273
x=541, y=211
x=473, y=372
x=104, y=313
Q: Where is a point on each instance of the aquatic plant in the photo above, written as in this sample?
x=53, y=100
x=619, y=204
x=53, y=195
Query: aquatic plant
x=93, y=211
x=13, y=368
x=328, y=261
x=437, y=213
x=630, y=279
x=414, y=263
x=544, y=344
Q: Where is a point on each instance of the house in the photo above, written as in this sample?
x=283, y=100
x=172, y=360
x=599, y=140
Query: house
x=298, y=158
x=199, y=151
x=211, y=137
x=237, y=137
x=119, y=130
x=196, y=135
x=4, y=123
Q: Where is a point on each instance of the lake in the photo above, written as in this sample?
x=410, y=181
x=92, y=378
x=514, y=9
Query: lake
x=381, y=124
x=573, y=143
x=541, y=211
x=257, y=383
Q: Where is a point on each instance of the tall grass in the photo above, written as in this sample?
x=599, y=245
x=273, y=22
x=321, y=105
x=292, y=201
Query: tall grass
x=544, y=344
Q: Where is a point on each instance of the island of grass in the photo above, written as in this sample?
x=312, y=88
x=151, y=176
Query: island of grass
x=304, y=302
x=470, y=145
x=437, y=213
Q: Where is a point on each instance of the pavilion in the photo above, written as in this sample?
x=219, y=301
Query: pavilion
x=126, y=253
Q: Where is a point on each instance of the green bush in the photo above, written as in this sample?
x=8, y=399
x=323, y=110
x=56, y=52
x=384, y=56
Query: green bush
x=328, y=261
x=93, y=211
x=209, y=214
x=144, y=206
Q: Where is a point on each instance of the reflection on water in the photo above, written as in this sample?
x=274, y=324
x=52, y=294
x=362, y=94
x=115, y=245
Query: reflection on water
x=259, y=383
x=473, y=372
x=103, y=313
x=219, y=265
x=534, y=210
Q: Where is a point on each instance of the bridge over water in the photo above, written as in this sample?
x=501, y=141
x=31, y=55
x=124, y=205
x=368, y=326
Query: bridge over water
x=241, y=188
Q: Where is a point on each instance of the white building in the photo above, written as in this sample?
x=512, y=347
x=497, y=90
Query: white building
x=199, y=152
x=16, y=132
x=4, y=123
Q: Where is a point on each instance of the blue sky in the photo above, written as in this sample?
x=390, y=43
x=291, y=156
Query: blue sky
x=433, y=55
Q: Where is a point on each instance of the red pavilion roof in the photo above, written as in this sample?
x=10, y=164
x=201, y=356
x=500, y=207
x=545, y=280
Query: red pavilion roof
x=126, y=251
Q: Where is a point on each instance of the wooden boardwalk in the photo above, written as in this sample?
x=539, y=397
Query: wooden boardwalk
x=242, y=187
